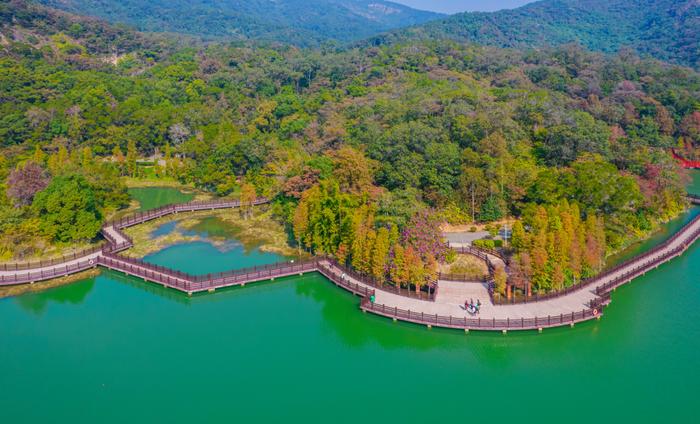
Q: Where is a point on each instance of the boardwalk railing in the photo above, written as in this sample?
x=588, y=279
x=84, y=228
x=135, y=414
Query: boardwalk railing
x=491, y=252
x=355, y=288
x=383, y=286
x=55, y=272
x=464, y=278
x=537, y=297
x=50, y=262
x=478, y=323
x=480, y=253
x=645, y=266
x=197, y=283
x=141, y=217
x=113, y=245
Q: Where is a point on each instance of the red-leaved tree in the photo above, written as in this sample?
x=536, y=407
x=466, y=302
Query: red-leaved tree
x=25, y=181
x=424, y=235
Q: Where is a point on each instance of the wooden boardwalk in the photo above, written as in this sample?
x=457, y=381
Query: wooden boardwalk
x=443, y=309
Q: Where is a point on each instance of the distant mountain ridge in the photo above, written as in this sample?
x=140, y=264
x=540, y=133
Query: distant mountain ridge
x=666, y=29
x=300, y=22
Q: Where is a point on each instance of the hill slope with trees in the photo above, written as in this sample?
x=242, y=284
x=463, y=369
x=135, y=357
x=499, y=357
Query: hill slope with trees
x=664, y=29
x=300, y=22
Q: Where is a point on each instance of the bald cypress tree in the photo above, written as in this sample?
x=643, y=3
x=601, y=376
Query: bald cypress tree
x=398, y=271
x=380, y=253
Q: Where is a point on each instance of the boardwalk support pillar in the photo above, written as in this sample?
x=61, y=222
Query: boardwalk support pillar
x=504, y=331
x=466, y=331
x=189, y=293
x=572, y=325
x=539, y=330
x=429, y=326
x=211, y=290
x=394, y=319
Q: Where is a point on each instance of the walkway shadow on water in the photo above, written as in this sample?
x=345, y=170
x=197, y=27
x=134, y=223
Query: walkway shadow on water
x=74, y=293
x=182, y=298
x=151, y=288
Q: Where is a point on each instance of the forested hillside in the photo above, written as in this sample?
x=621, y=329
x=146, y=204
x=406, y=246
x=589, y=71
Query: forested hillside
x=364, y=151
x=300, y=22
x=664, y=29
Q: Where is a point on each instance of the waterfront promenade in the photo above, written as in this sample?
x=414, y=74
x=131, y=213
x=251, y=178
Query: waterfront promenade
x=444, y=309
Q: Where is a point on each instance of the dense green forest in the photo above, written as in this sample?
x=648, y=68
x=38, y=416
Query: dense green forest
x=664, y=29
x=301, y=22
x=365, y=151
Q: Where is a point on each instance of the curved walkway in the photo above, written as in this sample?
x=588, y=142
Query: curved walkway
x=444, y=310
x=116, y=241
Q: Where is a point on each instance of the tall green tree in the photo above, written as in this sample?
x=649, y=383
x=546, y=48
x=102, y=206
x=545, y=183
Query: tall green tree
x=68, y=210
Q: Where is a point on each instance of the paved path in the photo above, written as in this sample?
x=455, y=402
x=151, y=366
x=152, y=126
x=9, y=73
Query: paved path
x=48, y=269
x=464, y=238
x=55, y=268
x=115, y=234
x=452, y=294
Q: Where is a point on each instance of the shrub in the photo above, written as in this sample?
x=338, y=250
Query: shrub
x=450, y=256
x=68, y=209
x=485, y=243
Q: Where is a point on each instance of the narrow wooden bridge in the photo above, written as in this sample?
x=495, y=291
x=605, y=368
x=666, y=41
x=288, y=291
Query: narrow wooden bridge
x=116, y=241
x=581, y=303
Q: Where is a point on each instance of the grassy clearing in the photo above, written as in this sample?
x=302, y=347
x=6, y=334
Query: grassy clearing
x=468, y=265
x=21, y=289
x=157, y=182
x=199, y=195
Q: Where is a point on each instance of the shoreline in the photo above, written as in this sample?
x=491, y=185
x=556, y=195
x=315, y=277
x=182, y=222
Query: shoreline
x=444, y=309
x=619, y=254
x=40, y=286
